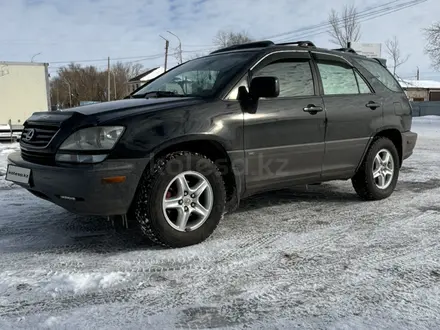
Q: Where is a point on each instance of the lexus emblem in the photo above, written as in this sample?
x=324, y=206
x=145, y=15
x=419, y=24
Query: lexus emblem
x=29, y=134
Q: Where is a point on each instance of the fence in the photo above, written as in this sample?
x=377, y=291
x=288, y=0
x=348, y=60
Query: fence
x=427, y=108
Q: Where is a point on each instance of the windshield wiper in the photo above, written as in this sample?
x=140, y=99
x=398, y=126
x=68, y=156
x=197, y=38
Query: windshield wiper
x=157, y=94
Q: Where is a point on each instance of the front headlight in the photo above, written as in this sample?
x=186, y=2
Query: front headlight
x=93, y=138
x=89, y=145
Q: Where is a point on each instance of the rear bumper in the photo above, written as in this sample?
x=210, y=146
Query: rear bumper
x=409, y=140
x=80, y=189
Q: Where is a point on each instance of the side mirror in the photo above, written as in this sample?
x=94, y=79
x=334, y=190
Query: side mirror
x=264, y=87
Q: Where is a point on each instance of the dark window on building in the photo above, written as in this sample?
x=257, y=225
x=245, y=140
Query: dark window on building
x=434, y=96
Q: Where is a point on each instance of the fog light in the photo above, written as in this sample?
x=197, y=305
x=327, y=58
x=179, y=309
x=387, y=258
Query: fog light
x=75, y=158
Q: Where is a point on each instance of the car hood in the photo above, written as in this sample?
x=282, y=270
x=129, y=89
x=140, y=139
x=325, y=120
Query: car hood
x=112, y=109
x=127, y=104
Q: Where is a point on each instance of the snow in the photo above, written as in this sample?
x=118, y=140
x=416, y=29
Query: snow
x=302, y=258
x=5, y=150
x=423, y=84
x=82, y=283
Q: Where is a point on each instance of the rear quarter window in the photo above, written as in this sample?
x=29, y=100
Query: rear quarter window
x=381, y=74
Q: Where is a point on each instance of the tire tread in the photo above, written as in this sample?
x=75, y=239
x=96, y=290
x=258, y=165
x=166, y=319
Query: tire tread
x=360, y=180
x=145, y=189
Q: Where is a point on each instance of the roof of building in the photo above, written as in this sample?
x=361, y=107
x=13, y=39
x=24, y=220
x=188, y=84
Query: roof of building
x=421, y=84
x=2, y=63
x=147, y=75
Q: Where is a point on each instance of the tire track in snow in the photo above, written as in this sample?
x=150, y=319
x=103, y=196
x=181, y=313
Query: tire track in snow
x=279, y=293
x=58, y=304
x=251, y=248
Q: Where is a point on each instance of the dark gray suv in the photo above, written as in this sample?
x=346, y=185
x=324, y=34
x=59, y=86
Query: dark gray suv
x=182, y=150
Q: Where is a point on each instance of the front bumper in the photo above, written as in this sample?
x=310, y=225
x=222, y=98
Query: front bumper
x=409, y=140
x=81, y=189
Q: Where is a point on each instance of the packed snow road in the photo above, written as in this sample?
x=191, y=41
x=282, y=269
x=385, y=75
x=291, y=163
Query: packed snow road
x=300, y=258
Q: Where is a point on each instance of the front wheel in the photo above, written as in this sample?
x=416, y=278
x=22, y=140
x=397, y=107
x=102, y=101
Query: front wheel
x=377, y=177
x=181, y=200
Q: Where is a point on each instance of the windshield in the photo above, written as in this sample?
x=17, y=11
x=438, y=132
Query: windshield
x=200, y=77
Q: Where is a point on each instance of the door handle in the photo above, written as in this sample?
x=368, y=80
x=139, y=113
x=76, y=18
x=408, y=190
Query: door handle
x=372, y=105
x=313, y=109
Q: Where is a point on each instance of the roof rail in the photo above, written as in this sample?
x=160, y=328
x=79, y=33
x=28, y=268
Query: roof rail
x=256, y=44
x=382, y=61
x=347, y=50
x=304, y=43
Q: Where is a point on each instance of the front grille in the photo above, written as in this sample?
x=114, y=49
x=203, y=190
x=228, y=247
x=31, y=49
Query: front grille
x=38, y=157
x=38, y=135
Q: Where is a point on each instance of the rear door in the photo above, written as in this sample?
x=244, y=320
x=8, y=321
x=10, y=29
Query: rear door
x=283, y=140
x=353, y=110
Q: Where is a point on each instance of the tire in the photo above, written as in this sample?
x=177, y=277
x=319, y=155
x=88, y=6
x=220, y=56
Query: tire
x=364, y=183
x=154, y=190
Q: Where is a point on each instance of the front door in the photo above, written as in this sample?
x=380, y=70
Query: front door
x=284, y=139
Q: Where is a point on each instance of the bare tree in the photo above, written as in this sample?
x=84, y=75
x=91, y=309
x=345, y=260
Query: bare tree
x=225, y=38
x=393, y=50
x=194, y=56
x=90, y=84
x=133, y=69
x=344, y=27
x=433, y=44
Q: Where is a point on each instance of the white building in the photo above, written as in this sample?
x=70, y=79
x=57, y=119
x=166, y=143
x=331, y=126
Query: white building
x=24, y=89
x=144, y=77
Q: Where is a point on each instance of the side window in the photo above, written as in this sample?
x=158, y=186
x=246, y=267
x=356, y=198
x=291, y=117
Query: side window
x=363, y=87
x=381, y=74
x=337, y=78
x=295, y=77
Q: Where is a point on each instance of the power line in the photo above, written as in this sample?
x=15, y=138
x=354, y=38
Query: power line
x=200, y=45
x=366, y=16
x=136, y=58
x=199, y=50
x=105, y=59
x=363, y=16
x=139, y=58
x=191, y=46
x=83, y=42
x=313, y=30
x=322, y=24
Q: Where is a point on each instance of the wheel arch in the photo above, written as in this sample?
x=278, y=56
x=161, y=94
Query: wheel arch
x=211, y=147
x=393, y=134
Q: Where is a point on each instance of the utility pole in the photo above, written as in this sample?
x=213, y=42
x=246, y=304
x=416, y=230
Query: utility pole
x=418, y=73
x=180, y=47
x=114, y=84
x=70, y=92
x=108, y=79
x=167, y=44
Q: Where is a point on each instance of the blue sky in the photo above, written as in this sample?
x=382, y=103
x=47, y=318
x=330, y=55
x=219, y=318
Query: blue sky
x=64, y=30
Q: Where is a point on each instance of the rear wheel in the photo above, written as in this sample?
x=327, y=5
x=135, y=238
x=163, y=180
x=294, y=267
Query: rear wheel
x=181, y=200
x=377, y=177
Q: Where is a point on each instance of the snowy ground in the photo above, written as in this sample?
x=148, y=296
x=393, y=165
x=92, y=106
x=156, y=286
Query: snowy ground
x=316, y=258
